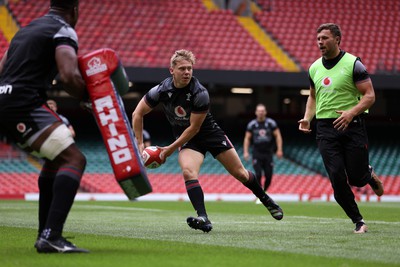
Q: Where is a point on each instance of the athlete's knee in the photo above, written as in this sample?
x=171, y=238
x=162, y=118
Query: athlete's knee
x=189, y=174
x=358, y=183
x=79, y=160
x=359, y=179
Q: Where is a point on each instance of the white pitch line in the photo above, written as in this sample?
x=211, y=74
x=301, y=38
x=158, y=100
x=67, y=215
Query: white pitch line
x=308, y=218
x=114, y=208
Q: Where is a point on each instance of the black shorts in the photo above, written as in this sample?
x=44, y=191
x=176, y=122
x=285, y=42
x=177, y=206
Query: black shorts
x=20, y=126
x=215, y=143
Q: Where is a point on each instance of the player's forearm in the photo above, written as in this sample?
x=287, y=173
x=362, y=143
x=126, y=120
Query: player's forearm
x=365, y=103
x=137, y=127
x=279, y=143
x=246, y=145
x=188, y=134
x=310, y=109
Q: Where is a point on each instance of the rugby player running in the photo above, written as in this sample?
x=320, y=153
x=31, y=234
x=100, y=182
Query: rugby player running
x=186, y=105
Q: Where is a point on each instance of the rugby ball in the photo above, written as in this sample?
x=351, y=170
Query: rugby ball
x=151, y=157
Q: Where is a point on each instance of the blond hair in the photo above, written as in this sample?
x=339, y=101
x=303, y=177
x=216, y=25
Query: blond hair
x=182, y=54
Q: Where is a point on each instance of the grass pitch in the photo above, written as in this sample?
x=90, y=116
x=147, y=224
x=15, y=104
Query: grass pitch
x=155, y=234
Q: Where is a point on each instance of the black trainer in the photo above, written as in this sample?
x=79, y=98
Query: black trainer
x=273, y=208
x=202, y=223
x=59, y=245
x=36, y=243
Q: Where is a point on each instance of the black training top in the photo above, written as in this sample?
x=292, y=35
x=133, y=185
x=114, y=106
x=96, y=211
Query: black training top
x=179, y=103
x=31, y=66
x=262, y=136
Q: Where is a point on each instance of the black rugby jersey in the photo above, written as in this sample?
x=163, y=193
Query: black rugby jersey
x=262, y=136
x=31, y=66
x=179, y=103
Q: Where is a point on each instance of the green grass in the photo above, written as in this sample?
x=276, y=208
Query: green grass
x=155, y=234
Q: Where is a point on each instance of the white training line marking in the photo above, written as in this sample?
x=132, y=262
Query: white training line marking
x=342, y=220
x=289, y=220
x=114, y=208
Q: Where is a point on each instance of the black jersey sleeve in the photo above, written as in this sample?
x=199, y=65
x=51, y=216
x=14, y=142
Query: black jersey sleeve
x=311, y=81
x=250, y=126
x=66, y=36
x=360, y=72
x=201, y=102
x=152, y=97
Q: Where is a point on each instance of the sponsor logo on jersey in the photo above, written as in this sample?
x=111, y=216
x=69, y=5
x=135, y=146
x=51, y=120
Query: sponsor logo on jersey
x=262, y=132
x=180, y=112
x=188, y=95
x=326, y=82
x=95, y=66
x=21, y=127
x=6, y=89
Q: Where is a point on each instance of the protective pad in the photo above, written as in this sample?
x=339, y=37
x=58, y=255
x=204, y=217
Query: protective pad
x=106, y=80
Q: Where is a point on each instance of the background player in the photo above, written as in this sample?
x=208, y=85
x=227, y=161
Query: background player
x=35, y=54
x=53, y=106
x=186, y=105
x=263, y=133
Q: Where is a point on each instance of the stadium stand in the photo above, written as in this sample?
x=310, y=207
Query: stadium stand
x=296, y=174
x=3, y=44
x=147, y=32
x=8, y=152
x=368, y=26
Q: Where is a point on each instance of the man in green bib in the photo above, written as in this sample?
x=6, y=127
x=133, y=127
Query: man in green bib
x=341, y=92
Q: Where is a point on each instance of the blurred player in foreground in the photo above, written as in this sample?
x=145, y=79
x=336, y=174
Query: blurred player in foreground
x=47, y=45
x=262, y=132
x=53, y=106
x=341, y=92
x=186, y=105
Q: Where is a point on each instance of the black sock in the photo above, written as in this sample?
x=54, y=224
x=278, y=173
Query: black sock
x=66, y=185
x=196, y=196
x=255, y=187
x=45, y=184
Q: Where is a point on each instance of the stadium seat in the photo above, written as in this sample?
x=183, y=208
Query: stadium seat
x=153, y=30
x=371, y=40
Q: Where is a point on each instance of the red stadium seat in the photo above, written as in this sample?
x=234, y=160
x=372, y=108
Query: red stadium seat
x=376, y=19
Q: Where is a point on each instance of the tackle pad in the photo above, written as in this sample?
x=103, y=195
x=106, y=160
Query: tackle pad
x=105, y=81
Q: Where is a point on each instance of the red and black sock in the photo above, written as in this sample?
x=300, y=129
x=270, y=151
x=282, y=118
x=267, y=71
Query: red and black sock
x=196, y=196
x=255, y=187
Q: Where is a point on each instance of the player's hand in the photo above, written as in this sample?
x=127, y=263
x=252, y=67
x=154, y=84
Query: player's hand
x=86, y=106
x=165, y=153
x=246, y=156
x=141, y=148
x=279, y=154
x=304, y=126
x=343, y=121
